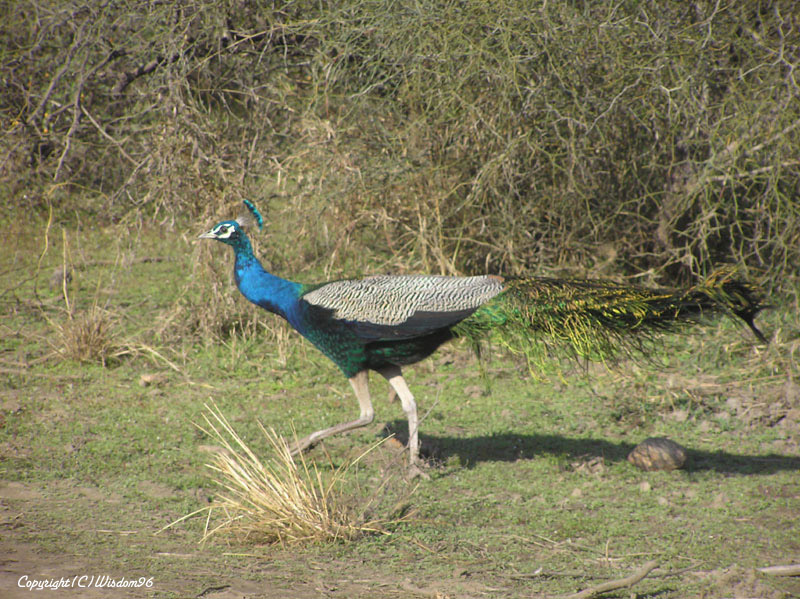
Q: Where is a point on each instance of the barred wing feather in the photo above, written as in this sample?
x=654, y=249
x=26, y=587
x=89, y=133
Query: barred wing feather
x=401, y=307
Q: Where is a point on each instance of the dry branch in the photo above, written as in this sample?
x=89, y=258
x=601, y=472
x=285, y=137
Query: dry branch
x=613, y=585
x=787, y=570
x=126, y=78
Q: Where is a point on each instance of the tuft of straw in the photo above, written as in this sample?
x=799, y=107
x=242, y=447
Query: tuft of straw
x=278, y=499
x=88, y=336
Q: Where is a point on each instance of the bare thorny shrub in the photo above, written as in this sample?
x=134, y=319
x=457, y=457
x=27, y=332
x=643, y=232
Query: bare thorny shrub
x=666, y=137
x=141, y=103
x=618, y=139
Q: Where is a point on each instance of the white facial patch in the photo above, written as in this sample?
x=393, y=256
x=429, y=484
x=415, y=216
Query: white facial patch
x=223, y=231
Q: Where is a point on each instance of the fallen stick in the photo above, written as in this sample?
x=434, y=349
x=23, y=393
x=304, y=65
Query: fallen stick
x=613, y=585
x=789, y=570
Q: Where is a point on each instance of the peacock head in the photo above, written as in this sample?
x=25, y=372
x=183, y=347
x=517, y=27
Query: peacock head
x=232, y=231
x=228, y=231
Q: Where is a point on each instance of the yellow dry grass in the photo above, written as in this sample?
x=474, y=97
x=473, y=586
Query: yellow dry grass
x=280, y=499
x=88, y=336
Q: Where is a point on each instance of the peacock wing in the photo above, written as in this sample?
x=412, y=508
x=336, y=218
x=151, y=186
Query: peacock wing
x=403, y=306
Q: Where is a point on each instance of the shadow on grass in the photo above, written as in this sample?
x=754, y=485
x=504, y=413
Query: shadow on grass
x=509, y=447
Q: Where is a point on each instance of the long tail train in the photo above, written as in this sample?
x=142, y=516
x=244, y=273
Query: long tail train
x=600, y=319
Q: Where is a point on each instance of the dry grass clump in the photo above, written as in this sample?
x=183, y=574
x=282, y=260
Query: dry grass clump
x=88, y=336
x=84, y=329
x=84, y=334
x=278, y=499
x=93, y=336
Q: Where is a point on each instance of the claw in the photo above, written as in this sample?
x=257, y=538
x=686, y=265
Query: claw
x=415, y=471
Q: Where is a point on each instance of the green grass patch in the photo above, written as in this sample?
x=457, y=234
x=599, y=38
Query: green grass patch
x=530, y=489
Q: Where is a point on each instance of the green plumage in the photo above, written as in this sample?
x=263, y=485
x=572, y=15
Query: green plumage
x=532, y=317
x=598, y=320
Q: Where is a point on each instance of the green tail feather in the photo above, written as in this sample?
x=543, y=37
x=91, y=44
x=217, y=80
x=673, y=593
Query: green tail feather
x=599, y=320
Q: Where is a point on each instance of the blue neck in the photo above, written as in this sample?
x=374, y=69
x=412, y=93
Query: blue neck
x=263, y=288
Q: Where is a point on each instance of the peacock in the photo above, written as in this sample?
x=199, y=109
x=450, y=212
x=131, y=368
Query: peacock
x=385, y=322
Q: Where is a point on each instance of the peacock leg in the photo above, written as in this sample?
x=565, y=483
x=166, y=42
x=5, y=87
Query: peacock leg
x=392, y=395
x=360, y=383
x=394, y=375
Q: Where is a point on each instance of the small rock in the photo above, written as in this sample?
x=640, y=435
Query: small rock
x=589, y=464
x=474, y=391
x=395, y=443
x=734, y=404
x=680, y=415
x=658, y=453
x=644, y=486
x=662, y=501
x=152, y=378
x=11, y=406
x=720, y=500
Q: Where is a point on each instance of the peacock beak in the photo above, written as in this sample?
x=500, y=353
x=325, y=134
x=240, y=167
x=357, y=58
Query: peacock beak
x=208, y=235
